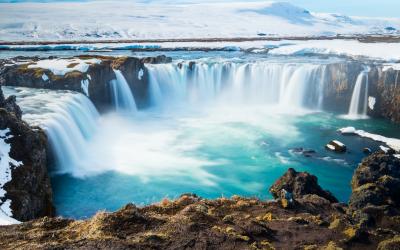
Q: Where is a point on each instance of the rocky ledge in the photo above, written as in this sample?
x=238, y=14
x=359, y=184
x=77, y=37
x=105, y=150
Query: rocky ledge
x=24, y=182
x=303, y=216
x=89, y=75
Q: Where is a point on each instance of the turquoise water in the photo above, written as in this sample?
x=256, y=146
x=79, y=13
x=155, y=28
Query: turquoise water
x=212, y=155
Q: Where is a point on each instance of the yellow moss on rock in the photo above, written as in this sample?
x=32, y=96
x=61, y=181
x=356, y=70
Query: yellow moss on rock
x=390, y=244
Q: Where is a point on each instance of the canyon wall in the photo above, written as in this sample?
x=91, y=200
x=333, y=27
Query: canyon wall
x=28, y=189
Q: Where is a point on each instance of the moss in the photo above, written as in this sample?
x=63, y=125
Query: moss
x=266, y=245
x=74, y=74
x=350, y=232
x=284, y=203
x=332, y=246
x=71, y=65
x=390, y=244
x=310, y=247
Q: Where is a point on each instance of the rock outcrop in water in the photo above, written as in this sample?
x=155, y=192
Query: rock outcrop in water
x=315, y=221
x=29, y=189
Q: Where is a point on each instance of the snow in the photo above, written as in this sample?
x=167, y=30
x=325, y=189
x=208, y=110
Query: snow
x=140, y=74
x=350, y=48
x=7, y=220
x=338, y=143
x=85, y=87
x=63, y=66
x=393, y=143
x=115, y=20
x=371, y=102
x=45, y=77
x=394, y=66
x=6, y=162
x=331, y=147
x=348, y=130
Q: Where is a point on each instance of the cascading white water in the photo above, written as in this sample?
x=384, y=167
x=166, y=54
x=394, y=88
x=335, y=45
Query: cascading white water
x=358, y=103
x=68, y=118
x=122, y=96
x=288, y=85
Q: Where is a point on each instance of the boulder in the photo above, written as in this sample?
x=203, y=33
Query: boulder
x=299, y=184
x=336, y=146
x=375, y=188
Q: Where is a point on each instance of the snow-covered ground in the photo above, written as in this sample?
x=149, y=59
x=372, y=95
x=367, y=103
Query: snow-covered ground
x=393, y=143
x=94, y=20
x=63, y=66
x=5, y=176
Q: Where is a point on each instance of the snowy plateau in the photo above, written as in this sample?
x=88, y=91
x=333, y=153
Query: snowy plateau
x=118, y=20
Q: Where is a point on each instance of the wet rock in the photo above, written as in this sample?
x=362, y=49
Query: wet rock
x=336, y=146
x=367, y=151
x=303, y=151
x=299, y=184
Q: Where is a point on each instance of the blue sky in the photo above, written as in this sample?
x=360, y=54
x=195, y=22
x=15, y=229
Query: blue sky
x=374, y=8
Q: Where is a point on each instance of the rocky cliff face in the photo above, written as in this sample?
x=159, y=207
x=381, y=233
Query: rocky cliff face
x=341, y=77
x=97, y=77
x=386, y=92
x=29, y=189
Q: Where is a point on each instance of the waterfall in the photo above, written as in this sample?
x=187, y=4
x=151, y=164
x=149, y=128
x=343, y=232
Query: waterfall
x=358, y=104
x=287, y=85
x=69, y=120
x=122, y=97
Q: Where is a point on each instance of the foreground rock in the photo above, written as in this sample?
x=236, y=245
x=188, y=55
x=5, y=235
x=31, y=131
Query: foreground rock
x=29, y=189
x=315, y=221
x=299, y=184
x=375, y=200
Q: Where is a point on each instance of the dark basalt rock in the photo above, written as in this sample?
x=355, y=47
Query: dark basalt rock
x=299, y=184
x=99, y=77
x=29, y=190
x=376, y=188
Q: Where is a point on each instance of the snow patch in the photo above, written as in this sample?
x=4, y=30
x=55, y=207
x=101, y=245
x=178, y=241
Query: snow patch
x=393, y=66
x=393, y=143
x=140, y=74
x=63, y=66
x=6, y=162
x=45, y=77
x=371, y=102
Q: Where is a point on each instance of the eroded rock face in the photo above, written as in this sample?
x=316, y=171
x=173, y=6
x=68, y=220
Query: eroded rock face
x=386, y=93
x=29, y=190
x=300, y=184
x=376, y=189
x=98, y=76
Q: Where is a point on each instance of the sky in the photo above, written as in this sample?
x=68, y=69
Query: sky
x=373, y=8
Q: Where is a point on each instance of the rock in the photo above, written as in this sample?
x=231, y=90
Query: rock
x=375, y=188
x=336, y=146
x=299, y=184
x=367, y=151
x=348, y=131
x=390, y=244
x=29, y=189
x=304, y=152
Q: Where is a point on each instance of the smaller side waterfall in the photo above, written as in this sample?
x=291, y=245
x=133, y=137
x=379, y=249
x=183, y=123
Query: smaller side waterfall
x=359, y=102
x=122, y=97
